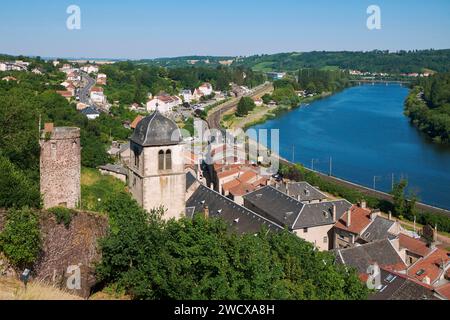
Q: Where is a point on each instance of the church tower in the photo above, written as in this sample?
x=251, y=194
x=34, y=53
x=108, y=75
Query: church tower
x=157, y=176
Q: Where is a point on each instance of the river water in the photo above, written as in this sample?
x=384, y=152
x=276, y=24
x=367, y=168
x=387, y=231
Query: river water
x=364, y=132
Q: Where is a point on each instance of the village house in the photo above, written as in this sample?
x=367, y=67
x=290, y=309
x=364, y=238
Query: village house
x=73, y=76
x=164, y=103
x=412, y=249
x=241, y=220
x=258, y=102
x=90, y=69
x=312, y=222
x=301, y=191
x=91, y=113
x=383, y=253
x=186, y=95
x=432, y=269
x=9, y=78
x=206, y=89
x=37, y=71
x=396, y=286
x=197, y=95
x=65, y=94
x=101, y=79
x=97, y=95
x=362, y=225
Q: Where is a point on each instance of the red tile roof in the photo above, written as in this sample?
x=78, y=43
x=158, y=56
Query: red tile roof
x=96, y=89
x=242, y=189
x=444, y=290
x=136, y=121
x=429, y=266
x=227, y=173
x=65, y=93
x=360, y=218
x=413, y=245
x=231, y=184
x=247, y=176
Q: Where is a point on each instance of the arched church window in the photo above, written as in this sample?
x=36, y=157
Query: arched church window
x=136, y=159
x=168, y=160
x=161, y=160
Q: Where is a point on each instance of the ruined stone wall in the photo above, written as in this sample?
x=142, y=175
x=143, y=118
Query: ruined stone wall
x=60, y=167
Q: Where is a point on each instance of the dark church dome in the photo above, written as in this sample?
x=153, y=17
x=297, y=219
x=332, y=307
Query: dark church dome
x=156, y=130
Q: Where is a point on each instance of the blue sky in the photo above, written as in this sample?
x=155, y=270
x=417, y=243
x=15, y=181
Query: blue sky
x=147, y=29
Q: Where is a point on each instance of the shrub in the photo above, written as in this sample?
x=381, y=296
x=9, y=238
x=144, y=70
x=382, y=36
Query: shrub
x=62, y=215
x=20, y=240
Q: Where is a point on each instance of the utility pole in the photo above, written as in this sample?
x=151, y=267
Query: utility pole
x=312, y=164
x=331, y=166
x=293, y=153
x=392, y=182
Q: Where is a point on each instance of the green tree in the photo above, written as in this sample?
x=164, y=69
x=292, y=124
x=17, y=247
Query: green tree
x=201, y=259
x=20, y=240
x=245, y=105
x=398, y=194
x=16, y=189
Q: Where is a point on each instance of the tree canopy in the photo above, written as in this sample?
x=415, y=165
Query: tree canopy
x=201, y=259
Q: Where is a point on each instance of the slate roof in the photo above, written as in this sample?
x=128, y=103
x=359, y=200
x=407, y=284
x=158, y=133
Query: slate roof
x=114, y=168
x=301, y=191
x=287, y=211
x=361, y=257
x=318, y=214
x=396, y=286
x=89, y=110
x=240, y=219
x=156, y=130
x=378, y=230
x=190, y=179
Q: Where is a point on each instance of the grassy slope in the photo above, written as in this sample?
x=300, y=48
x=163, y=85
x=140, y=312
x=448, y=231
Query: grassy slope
x=95, y=186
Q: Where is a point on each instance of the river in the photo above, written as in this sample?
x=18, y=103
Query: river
x=369, y=140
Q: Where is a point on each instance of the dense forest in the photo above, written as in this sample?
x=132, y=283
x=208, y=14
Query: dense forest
x=371, y=61
x=317, y=81
x=428, y=106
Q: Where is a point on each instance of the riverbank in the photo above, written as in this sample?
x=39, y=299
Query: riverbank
x=263, y=113
x=433, y=122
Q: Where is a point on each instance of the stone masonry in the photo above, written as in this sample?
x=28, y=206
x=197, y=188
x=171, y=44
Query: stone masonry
x=60, y=166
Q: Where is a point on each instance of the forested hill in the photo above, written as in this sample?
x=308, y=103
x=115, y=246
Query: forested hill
x=373, y=61
x=428, y=106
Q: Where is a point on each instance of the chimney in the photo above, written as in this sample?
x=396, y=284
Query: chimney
x=373, y=214
x=390, y=216
x=349, y=218
x=48, y=127
x=298, y=198
x=334, y=212
x=206, y=211
x=363, y=204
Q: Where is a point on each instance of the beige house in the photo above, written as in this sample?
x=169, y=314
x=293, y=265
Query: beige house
x=312, y=222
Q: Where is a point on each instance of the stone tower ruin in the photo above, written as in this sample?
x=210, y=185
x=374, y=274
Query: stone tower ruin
x=60, y=166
